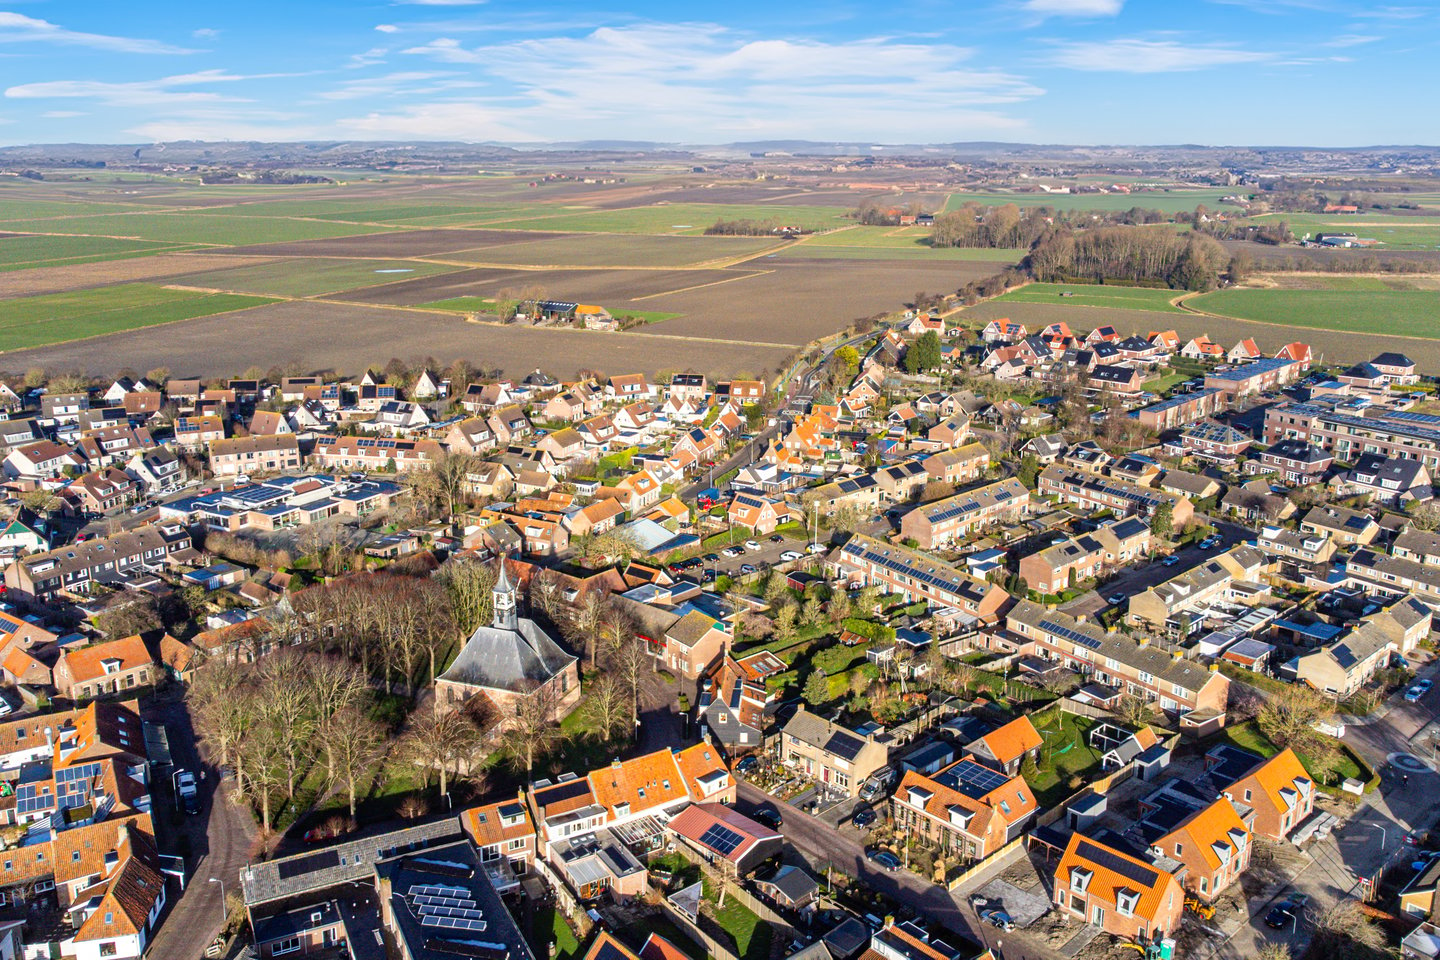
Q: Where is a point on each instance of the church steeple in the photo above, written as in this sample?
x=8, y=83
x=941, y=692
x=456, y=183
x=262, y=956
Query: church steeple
x=507, y=616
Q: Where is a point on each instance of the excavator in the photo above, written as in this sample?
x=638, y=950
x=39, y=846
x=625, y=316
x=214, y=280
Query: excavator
x=1154, y=950
x=1205, y=910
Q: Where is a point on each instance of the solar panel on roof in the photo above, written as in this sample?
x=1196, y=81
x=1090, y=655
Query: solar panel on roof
x=972, y=779
x=308, y=863
x=454, y=923
x=844, y=745
x=461, y=913
x=435, y=890
x=1113, y=862
x=468, y=948
x=721, y=839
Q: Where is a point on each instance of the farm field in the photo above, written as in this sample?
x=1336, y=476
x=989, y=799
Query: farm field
x=1167, y=201
x=1395, y=233
x=617, y=250
x=613, y=289
x=393, y=244
x=1095, y=295
x=21, y=252
x=78, y=276
x=23, y=208
x=311, y=278
x=1330, y=345
x=1407, y=313
x=56, y=318
x=681, y=218
x=320, y=336
x=1320, y=281
x=191, y=227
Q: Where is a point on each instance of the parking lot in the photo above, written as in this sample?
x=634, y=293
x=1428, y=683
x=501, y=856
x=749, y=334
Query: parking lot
x=772, y=551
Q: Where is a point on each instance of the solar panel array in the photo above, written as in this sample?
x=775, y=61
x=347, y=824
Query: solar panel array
x=1074, y=636
x=30, y=799
x=1115, y=863
x=890, y=562
x=467, y=948
x=435, y=890
x=423, y=900
x=453, y=923
x=972, y=779
x=721, y=839
x=844, y=745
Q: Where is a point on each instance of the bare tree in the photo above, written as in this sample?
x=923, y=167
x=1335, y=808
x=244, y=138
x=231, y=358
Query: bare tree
x=334, y=687
x=533, y=730
x=470, y=586
x=607, y=706
x=353, y=743
x=442, y=742
x=1289, y=716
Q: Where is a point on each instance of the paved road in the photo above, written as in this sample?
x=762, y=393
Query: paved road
x=220, y=838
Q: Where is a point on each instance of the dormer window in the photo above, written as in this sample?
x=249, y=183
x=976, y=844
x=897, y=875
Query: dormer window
x=1080, y=879
x=1126, y=901
x=111, y=665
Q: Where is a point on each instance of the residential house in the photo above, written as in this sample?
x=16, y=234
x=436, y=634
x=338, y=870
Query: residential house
x=967, y=810
x=396, y=418
x=105, y=668
x=1296, y=461
x=38, y=462
x=729, y=841
x=1121, y=894
x=269, y=423
x=101, y=491
x=829, y=754
x=1280, y=792
x=759, y=514
x=735, y=706
x=1228, y=577
x=373, y=453
x=1095, y=491
x=74, y=568
x=157, y=470
x=1056, y=567
x=918, y=577
x=504, y=837
x=1398, y=369
x=1256, y=377
x=1179, y=686
x=942, y=522
x=1388, y=480
x=1352, y=528
x=471, y=436
x=1213, y=844
x=964, y=464
x=1244, y=351
x=509, y=424
x=197, y=433
x=1005, y=749
x=693, y=642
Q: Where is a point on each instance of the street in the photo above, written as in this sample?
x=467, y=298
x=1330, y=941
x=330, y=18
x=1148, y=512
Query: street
x=217, y=843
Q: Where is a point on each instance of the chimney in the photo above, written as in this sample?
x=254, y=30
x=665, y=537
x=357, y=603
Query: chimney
x=1142, y=641
x=1080, y=618
x=1113, y=628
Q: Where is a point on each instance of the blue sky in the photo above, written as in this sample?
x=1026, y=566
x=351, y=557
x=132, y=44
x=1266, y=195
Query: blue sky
x=1322, y=72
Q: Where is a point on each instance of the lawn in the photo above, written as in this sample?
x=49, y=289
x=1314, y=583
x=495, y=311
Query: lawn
x=689, y=219
x=462, y=305
x=191, y=227
x=1095, y=295
x=43, y=251
x=1411, y=313
x=1067, y=753
x=752, y=938
x=548, y=925
x=58, y=317
x=1168, y=201
x=310, y=278
x=1249, y=736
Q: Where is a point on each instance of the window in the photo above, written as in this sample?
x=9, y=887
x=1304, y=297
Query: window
x=1247, y=796
x=1204, y=885
x=282, y=947
x=109, y=916
x=107, y=949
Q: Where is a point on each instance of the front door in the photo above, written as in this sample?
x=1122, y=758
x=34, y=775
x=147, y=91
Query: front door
x=1097, y=915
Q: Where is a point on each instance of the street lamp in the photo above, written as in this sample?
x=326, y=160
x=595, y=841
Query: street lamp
x=1383, y=841
x=224, y=914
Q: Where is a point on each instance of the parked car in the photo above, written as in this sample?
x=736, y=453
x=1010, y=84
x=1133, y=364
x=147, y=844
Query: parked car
x=1417, y=690
x=789, y=556
x=746, y=765
x=768, y=816
x=1115, y=599
x=884, y=858
x=1170, y=561
x=1287, y=911
x=816, y=548
x=712, y=558
x=863, y=817
x=753, y=545
x=778, y=538
x=747, y=568
x=187, y=791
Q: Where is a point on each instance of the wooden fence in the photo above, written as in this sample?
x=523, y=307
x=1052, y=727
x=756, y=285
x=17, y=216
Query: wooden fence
x=974, y=869
x=565, y=899
x=733, y=888
x=713, y=947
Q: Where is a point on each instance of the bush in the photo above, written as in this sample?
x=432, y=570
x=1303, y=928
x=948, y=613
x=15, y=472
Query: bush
x=869, y=629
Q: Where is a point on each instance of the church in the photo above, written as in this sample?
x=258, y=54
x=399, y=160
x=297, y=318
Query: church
x=508, y=661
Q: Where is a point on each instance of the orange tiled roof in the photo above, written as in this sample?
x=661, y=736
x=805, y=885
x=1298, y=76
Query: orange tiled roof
x=658, y=948
x=1106, y=884
x=1204, y=829
x=132, y=892
x=1280, y=772
x=647, y=781
x=486, y=826
x=1013, y=740
x=86, y=663
x=697, y=762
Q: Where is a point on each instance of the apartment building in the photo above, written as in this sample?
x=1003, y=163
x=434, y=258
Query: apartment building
x=262, y=454
x=1178, y=685
x=938, y=524
x=1347, y=436
x=1393, y=576
x=1096, y=491
x=1253, y=378
x=1182, y=409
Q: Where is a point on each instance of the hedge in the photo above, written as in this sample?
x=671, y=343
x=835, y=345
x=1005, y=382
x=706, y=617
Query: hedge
x=869, y=629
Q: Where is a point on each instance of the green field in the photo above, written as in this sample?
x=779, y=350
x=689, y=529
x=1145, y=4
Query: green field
x=1410, y=313
x=1395, y=233
x=58, y=317
x=311, y=278
x=1167, y=201
x=48, y=251
x=617, y=250
x=190, y=227
x=1095, y=295
x=689, y=219
x=18, y=208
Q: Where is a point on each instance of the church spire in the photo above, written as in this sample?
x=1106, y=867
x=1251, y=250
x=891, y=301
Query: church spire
x=507, y=617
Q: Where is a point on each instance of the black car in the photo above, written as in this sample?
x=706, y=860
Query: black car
x=712, y=558
x=778, y=538
x=768, y=816
x=1286, y=912
x=863, y=817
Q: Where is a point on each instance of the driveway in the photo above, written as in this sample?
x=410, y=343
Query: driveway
x=221, y=839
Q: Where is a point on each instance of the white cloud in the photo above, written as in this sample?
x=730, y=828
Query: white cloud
x=18, y=28
x=1075, y=8
x=1351, y=40
x=387, y=28
x=1133, y=55
x=701, y=82
x=406, y=83
x=63, y=114
x=205, y=33
x=166, y=91
x=369, y=58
